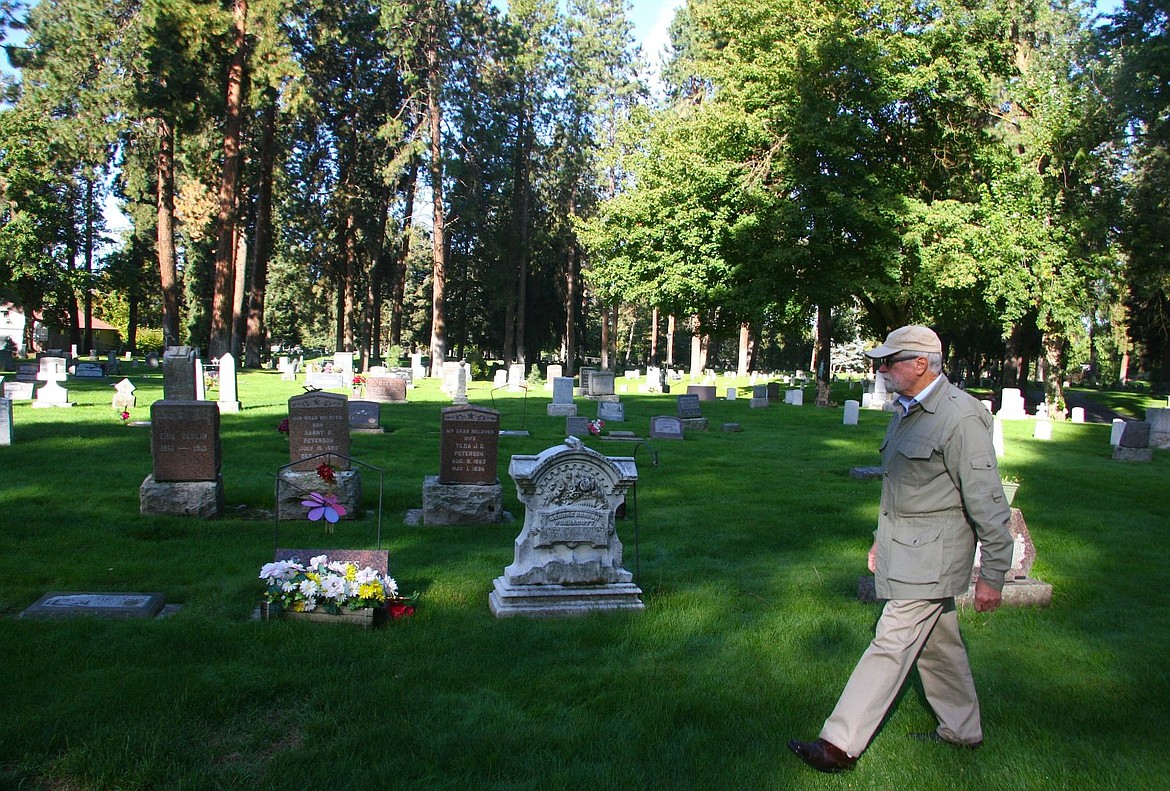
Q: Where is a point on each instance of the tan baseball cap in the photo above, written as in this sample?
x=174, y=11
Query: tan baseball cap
x=912, y=338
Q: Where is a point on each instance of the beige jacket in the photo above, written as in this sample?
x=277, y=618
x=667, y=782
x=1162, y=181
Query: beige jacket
x=940, y=492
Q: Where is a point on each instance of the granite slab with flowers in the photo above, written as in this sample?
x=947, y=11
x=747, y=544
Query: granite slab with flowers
x=325, y=590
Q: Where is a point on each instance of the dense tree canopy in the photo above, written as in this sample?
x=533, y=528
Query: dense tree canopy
x=443, y=175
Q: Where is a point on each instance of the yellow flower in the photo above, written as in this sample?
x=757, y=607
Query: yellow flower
x=372, y=590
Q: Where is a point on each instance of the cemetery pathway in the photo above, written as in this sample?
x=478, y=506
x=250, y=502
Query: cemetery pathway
x=1094, y=412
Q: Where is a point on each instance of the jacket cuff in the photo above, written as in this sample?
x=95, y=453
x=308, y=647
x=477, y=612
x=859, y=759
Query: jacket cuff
x=992, y=578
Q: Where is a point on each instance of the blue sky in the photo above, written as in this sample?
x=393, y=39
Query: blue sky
x=651, y=19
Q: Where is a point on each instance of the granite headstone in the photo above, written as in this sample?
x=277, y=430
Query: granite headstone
x=318, y=423
x=184, y=440
x=469, y=442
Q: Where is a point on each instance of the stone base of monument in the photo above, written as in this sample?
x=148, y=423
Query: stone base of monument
x=562, y=410
x=1025, y=592
x=758, y=403
x=294, y=486
x=1132, y=454
x=202, y=499
x=365, y=430
x=612, y=398
x=226, y=407
x=695, y=424
x=461, y=503
x=558, y=601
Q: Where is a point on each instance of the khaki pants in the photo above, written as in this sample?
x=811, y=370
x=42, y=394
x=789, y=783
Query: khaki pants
x=909, y=631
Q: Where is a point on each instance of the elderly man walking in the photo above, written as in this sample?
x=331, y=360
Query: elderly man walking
x=941, y=492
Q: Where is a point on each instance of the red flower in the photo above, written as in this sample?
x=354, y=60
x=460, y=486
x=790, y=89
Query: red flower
x=400, y=610
x=282, y=427
x=326, y=473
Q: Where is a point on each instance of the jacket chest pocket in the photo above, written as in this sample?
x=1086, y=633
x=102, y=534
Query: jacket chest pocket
x=916, y=555
x=914, y=462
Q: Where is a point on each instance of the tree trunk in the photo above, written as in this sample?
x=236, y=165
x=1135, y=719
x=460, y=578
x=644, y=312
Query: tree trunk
x=604, y=312
x=824, y=344
x=510, y=328
x=613, y=337
x=254, y=343
x=1014, y=365
x=438, y=248
x=572, y=281
x=572, y=278
x=221, y=307
x=654, y=336
x=745, y=347
x=1054, y=376
x=167, y=270
x=520, y=211
x=372, y=315
x=699, y=345
x=630, y=336
x=239, y=292
x=89, y=213
x=132, y=300
x=670, y=340
x=349, y=273
x=408, y=187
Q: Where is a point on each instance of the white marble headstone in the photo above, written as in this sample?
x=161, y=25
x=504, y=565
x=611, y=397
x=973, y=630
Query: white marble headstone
x=228, y=397
x=1116, y=431
x=851, y=412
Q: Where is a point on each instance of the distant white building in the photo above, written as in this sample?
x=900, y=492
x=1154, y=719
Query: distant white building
x=11, y=327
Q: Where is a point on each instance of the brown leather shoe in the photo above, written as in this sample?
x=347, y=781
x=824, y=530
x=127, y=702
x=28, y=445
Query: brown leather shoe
x=934, y=737
x=822, y=756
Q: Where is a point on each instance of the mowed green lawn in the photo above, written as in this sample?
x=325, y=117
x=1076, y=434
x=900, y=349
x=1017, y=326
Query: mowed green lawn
x=749, y=547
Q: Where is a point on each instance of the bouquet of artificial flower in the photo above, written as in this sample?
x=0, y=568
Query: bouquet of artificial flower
x=330, y=586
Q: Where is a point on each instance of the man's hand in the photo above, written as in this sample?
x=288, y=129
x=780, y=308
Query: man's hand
x=987, y=598
x=873, y=557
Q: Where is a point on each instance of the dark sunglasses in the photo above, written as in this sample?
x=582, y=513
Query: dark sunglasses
x=893, y=358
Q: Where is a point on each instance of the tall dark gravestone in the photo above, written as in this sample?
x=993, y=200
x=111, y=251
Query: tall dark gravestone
x=466, y=491
x=184, y=440
x=470, y=445
x=179, y=374
x=185, y=450
x=318, y=423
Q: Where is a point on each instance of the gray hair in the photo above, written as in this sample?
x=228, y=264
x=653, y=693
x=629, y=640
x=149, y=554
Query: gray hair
x=934, y=361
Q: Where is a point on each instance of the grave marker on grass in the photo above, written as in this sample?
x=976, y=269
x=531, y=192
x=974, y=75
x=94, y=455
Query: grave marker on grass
x=467, y=490
x=185, y=479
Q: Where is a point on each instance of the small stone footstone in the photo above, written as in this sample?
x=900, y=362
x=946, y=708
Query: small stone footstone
x=732, y=427
x=865, y=473
x=59, y=604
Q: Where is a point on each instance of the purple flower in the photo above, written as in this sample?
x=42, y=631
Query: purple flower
x=323, y=505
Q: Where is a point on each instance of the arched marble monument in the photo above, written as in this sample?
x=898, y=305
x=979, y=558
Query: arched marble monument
x=568, y=557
